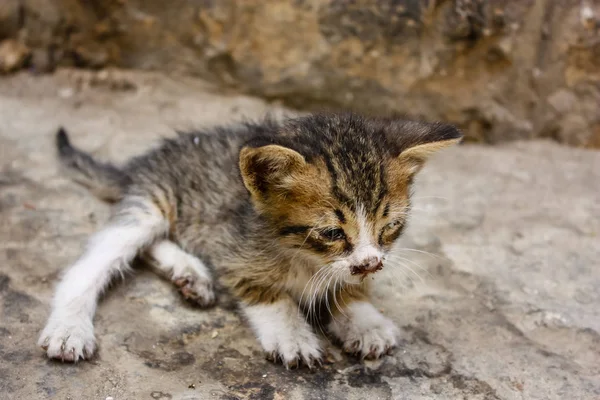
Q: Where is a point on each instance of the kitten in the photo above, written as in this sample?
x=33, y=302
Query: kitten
x=291, y=215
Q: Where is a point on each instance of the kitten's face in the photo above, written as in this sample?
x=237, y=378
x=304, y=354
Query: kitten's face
x=345, y=201
x=312, y=219
x=351, y=238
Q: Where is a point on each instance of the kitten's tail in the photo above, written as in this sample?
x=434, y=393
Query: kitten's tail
x=104, y=180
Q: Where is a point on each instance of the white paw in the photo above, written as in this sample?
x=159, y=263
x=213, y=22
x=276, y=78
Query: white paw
x=364, y=331
x=285, y=335
x=196, y=288
x=68, y=339
x=293, y=348
x=186, y=271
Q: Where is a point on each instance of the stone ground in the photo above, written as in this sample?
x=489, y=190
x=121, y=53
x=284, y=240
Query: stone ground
x=504, y=304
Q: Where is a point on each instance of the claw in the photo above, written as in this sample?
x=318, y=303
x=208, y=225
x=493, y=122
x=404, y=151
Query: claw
x=272, y=356
x=319, y=361
x=181, y=281
x=293, y=364
x=188, y=291
x=312, y=362
x=327, y=361
x=354, y=347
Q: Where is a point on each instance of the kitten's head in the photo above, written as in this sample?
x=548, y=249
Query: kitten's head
x=336, y=188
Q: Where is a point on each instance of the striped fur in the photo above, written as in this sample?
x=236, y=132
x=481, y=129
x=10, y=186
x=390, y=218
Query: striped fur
x=277, y=210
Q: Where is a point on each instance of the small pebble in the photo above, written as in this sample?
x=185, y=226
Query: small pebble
x=110, y=398
x=65, y=93
x=265, y=375
x=102, y=75
x=214, y=334
x=587, y=14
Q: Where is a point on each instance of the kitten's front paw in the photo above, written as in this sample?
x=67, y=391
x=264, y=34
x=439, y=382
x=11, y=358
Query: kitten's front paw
x=68, y=339
x=284, y=334
x=364, y=331
x=293, y=349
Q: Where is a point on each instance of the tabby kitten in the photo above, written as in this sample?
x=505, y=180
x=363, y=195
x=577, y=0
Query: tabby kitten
x=289, y=215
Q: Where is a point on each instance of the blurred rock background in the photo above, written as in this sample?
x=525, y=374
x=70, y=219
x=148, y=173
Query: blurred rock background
x=500, y=69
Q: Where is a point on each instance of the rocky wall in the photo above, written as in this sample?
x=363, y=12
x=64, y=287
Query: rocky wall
x=500, y=69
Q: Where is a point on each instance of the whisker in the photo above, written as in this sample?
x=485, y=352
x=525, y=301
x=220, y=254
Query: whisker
x=329, y=277
x=411, y=270
x=402, y=281
x=319, y=292
x=343, y=286
x=335, y=298
x=410, y=210
x=429, y=197
x=310, y=284
x=406, y=280
x=327, y=295
x=314, y=296
x=397, y=257
x=419, y=251
x=431, y=209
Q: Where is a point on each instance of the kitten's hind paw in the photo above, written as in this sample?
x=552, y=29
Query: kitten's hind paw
x=196, y=289
x=185, y=270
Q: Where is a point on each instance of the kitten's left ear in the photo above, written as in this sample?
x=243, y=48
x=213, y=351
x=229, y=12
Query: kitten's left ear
x=265, y=168
x=422, y=140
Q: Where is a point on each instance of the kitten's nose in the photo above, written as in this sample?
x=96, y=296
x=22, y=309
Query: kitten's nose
x=370, y=265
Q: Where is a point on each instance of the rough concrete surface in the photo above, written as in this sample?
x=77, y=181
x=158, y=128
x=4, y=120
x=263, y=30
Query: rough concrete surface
x=501, y=300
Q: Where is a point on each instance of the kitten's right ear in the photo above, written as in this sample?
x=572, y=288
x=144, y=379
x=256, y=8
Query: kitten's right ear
x=265, y=168
x=420, y=140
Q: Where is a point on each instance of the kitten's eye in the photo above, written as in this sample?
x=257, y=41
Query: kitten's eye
x=392, y=225
x=333, y=234
x=390, y=232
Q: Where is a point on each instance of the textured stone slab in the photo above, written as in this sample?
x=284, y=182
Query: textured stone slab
x=501, y=300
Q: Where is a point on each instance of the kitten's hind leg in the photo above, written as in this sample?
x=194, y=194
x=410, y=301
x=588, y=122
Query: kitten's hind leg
x=186, y=271
x=69, y=333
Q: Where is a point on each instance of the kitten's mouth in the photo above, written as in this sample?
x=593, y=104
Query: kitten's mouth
x=366, y=269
